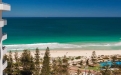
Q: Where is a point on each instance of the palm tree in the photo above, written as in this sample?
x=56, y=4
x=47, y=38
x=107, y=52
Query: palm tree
x=106, y=70
x=114, y=58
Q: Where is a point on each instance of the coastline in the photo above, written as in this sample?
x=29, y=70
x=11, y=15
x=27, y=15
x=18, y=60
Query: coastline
x=61, y=53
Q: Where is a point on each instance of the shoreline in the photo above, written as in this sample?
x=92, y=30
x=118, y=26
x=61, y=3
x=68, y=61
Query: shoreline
x=61, y=53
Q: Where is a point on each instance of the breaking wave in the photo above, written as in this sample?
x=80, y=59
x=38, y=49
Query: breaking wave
x=64, y=46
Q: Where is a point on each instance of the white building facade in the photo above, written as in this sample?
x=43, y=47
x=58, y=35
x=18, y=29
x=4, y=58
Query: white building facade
x=3, y=51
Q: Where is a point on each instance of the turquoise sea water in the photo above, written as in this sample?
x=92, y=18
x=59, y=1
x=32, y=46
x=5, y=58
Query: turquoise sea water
x=63, y=33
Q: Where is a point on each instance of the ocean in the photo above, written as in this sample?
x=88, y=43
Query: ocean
x=82, y=33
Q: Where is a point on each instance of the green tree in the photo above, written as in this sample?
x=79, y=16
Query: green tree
x=114, y=58
x=81, y=63
x=78, y=72
x=94, y=57
x=9, y=69
x=87, y=62
x=54, y=67
x=60, y=66
x=89, y=72
x=37, y=61
x=32, y=67
x=106, y=70
x=65, y=66
x=16, y=64
x=114, y=65
x=26, y=62
x=46, y=63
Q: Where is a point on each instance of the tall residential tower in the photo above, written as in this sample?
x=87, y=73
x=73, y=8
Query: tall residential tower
x=3, y=51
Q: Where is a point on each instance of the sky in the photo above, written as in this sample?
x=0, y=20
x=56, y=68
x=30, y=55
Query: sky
x=63, y=8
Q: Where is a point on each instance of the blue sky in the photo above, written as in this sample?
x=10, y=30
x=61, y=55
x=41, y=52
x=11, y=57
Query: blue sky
x=64, y=8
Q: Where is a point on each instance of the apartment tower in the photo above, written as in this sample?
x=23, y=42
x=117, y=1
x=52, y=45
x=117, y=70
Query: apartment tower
x=3, y=36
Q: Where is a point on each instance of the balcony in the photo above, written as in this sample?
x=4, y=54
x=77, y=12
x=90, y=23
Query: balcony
x=5, y=7
x=3, y=22
x=4, y=50
x=5, y=64
x=4, y=37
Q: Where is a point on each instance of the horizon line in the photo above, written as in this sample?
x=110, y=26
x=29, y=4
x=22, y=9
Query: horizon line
x=60, y=17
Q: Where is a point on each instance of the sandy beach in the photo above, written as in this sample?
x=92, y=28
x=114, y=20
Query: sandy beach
x=87, y=53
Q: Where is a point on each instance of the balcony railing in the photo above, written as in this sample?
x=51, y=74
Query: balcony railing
x=4, y=50
x=4, y=6
x=4, y=37
x=3, y=22
x=4, y=64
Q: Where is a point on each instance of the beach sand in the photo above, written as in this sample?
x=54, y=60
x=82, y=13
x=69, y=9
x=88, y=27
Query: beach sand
x=87, y=53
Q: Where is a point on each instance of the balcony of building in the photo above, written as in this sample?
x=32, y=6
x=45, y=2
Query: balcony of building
x=4, y=6
x=4, y=64
x=3, y=22
x=4, y=50
x=4, y=36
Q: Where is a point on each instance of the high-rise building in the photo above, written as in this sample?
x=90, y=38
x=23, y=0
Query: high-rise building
x=3, y=51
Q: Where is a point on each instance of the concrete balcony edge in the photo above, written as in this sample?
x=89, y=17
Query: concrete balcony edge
x=5, y=7
x=5, y=64
x=4, y=37
x=3, y=22
x=4, y=50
